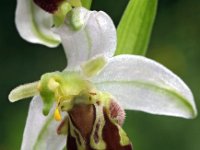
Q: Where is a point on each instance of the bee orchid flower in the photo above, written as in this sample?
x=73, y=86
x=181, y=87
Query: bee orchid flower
x=82, y=107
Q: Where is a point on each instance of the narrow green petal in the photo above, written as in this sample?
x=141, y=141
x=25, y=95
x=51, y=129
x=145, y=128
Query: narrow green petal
x=94, y=66
x=23, y=91
x=134, y=30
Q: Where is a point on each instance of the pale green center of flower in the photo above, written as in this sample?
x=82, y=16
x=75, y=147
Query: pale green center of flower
x=65, y=88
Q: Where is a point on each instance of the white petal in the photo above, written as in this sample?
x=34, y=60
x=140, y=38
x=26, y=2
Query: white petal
x=34, y=24
x=40, y=131
x=139, y=83
x=97, y=37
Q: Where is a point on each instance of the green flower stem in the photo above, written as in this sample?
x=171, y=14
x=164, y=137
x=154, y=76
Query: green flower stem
x=135, y=27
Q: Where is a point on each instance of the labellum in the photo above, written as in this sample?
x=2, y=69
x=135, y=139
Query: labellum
x=94, y=119
x=92, y=127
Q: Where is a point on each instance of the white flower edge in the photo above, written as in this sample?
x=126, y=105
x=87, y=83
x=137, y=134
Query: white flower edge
x=139, y=83
x=34, y=25
x=40, y=130
x=96, y=37
x=98, y=34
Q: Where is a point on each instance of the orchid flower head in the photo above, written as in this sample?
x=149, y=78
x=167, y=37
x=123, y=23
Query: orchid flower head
x=95, y=76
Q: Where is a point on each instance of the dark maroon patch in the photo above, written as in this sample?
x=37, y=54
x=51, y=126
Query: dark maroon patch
x=48, y=5
x=111, y=136
x=71, y=143
x=82, y=117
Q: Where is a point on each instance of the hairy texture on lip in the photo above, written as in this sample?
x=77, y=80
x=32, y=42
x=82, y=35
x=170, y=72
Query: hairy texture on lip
x=48, y=5
x=117, y=112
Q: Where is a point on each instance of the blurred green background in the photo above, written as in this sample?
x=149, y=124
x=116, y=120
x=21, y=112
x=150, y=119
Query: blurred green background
x=175, y=42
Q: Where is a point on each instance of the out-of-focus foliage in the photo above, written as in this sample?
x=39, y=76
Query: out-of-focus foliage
x=134, y=29
x=175, y=43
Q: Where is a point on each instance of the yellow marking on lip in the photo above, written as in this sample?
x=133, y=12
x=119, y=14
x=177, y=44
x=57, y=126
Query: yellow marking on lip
x=57, y=115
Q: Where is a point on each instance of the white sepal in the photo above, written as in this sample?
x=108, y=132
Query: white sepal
x=34, y=25
x=40, y=131
x=96, y=37
x=139, y=83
